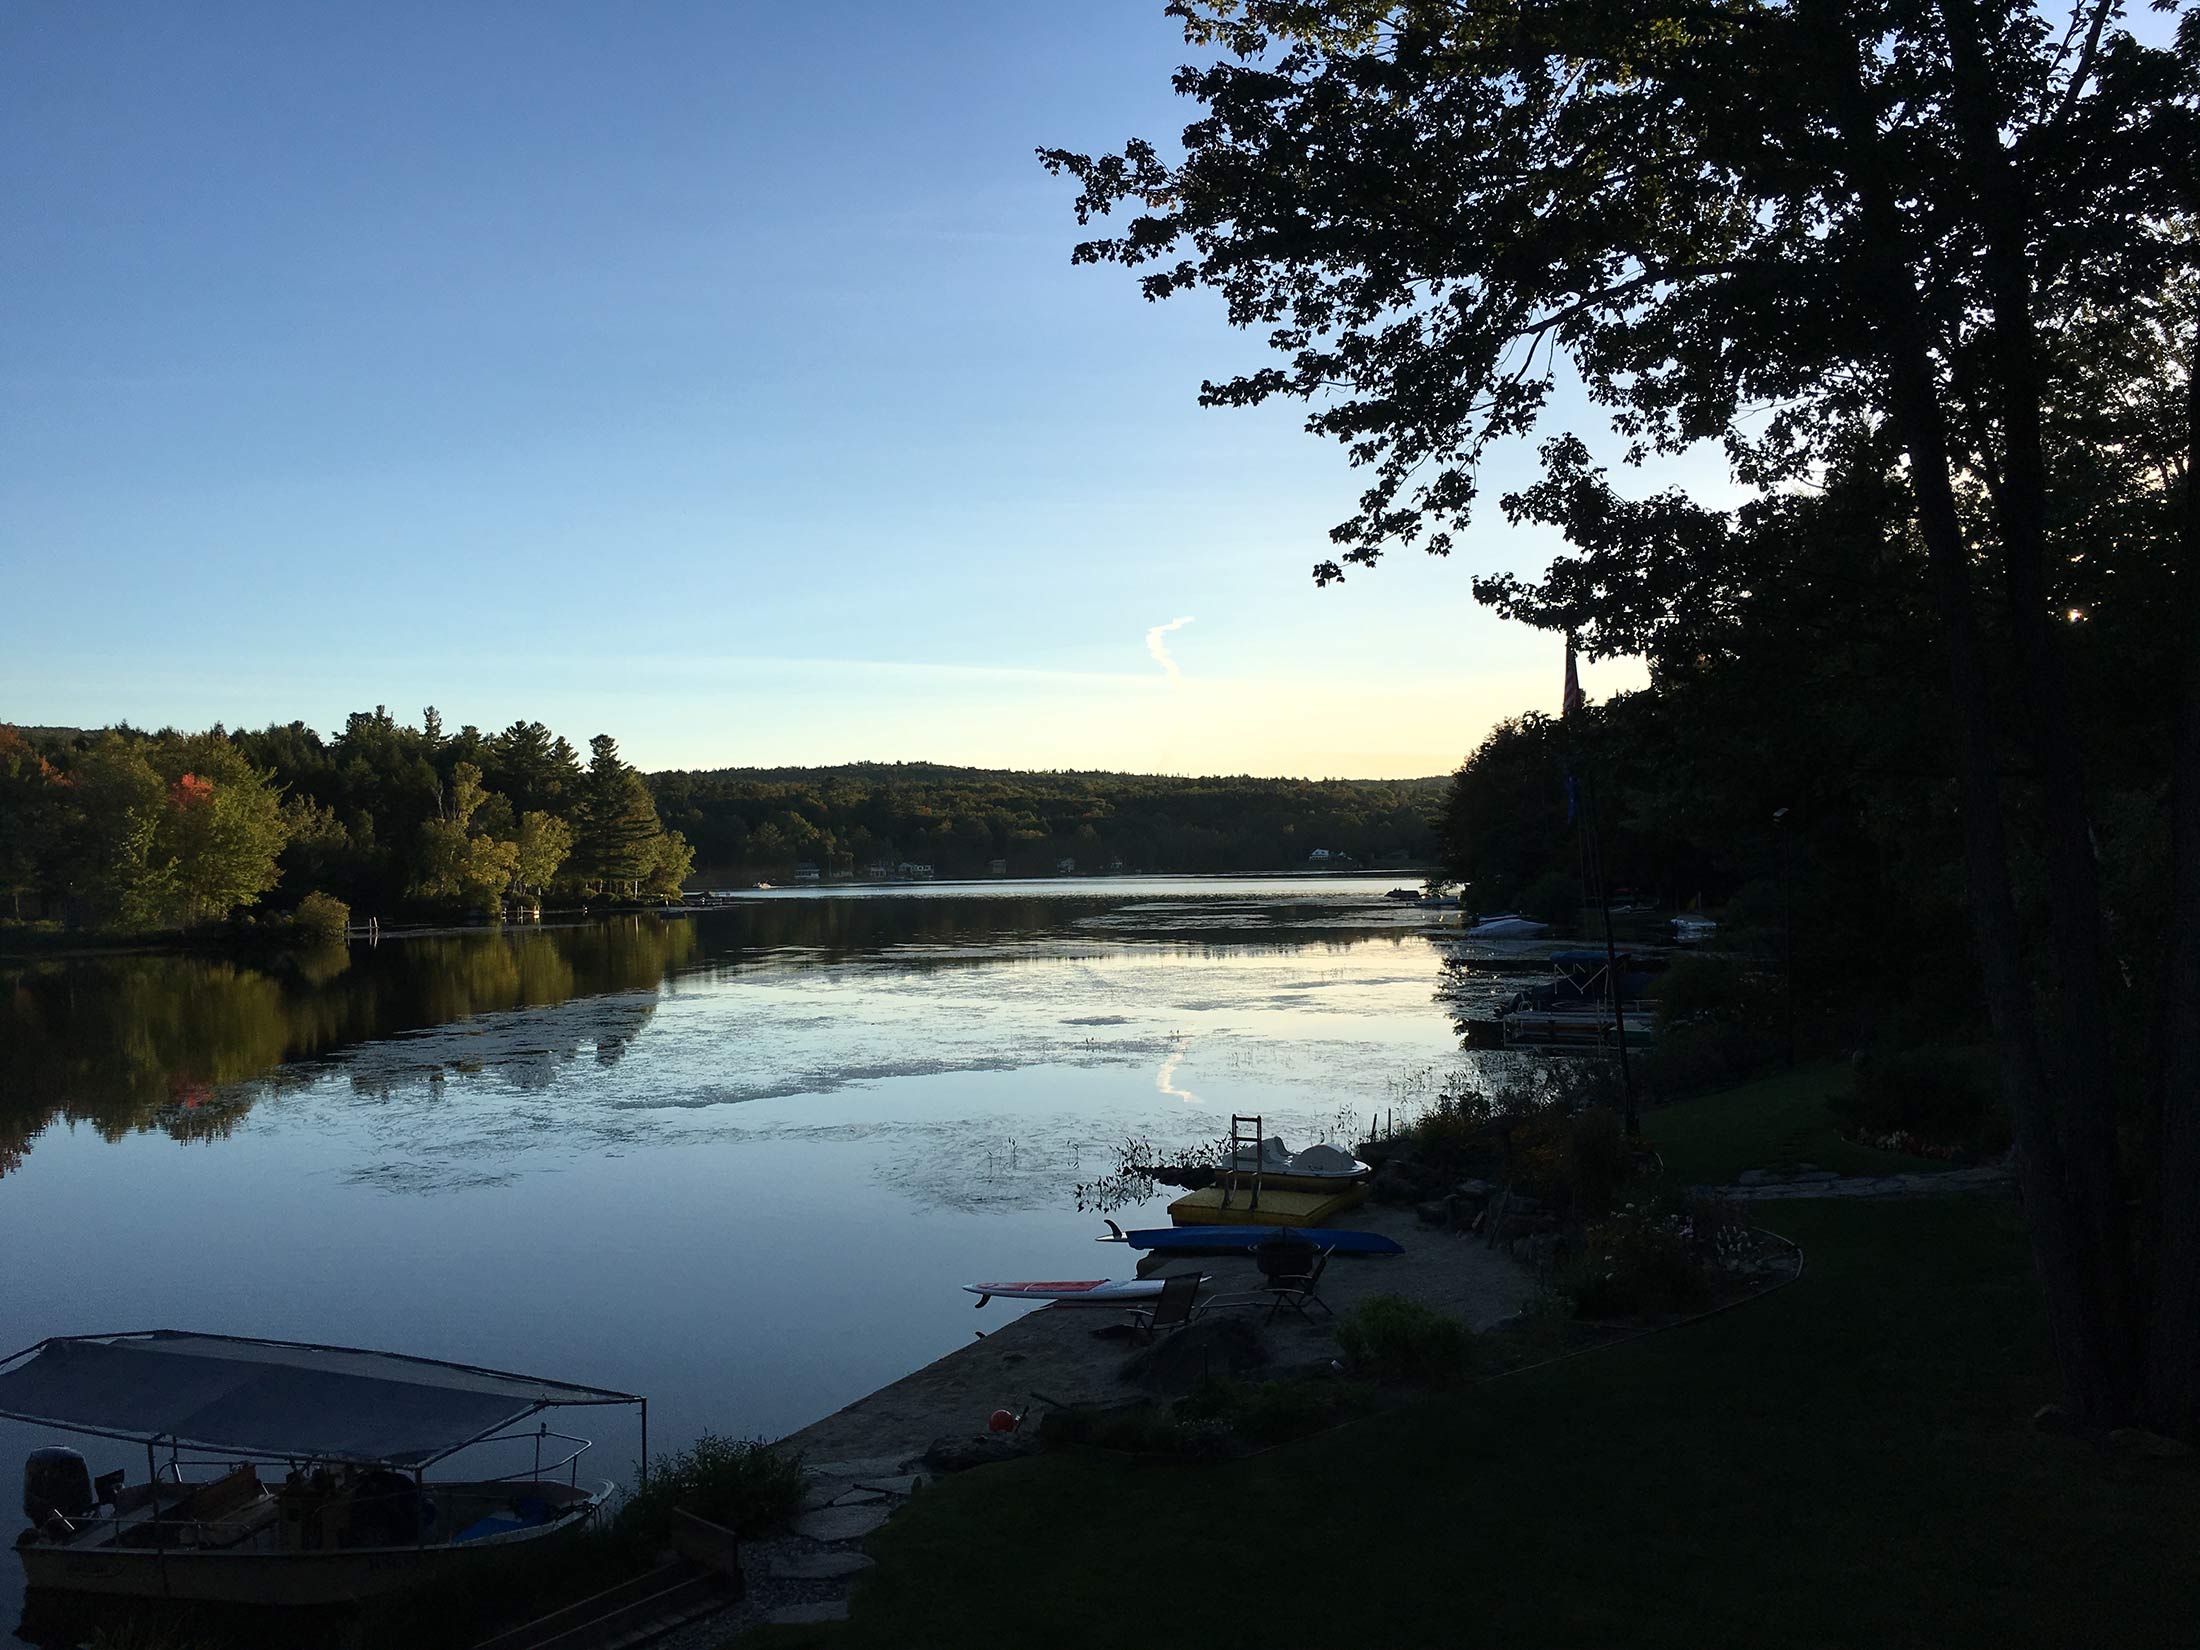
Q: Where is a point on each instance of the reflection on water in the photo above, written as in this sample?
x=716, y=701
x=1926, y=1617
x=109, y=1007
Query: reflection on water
x=1162, y=1079
x=163, y=1042
x=739, y=1161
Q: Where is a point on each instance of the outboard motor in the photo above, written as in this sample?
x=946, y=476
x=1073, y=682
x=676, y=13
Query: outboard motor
x=57, y=1486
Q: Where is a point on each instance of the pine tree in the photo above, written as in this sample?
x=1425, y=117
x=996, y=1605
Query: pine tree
x=617, y=846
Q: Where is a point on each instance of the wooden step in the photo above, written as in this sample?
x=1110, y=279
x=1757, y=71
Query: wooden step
x=659, y=1588
x=645, y=1619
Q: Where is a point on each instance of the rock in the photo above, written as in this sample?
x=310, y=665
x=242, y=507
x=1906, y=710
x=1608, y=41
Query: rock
x=1756, y=1177
x=2154, y=1446
x=839, y=1523
x=1208, y=1346
x=1479, y=1189
x=1437, y=1213
x=1520, y=1203
x=856, y=1468
x=1806, y=1172
x=907, y=1483
x=961, y=1454
x=2055, y=1418
x=823, y=1494
x=795, y=1615
x=1399, y=1181
x=858, y=1497
x=817, y=1566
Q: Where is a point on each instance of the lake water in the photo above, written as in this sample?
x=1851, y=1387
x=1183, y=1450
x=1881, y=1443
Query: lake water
x=739, y=1161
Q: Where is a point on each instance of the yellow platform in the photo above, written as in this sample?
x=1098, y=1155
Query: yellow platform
x=1283, y=1180
x=1277, y=1208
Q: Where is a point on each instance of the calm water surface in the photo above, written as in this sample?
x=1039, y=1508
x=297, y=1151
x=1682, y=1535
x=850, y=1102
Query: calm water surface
x=739, y=1161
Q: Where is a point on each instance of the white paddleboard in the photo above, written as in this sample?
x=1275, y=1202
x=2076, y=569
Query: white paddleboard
x=1097, y=1291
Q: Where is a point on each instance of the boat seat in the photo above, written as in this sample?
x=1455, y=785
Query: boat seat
x=239, y=1526
x=218, y=1498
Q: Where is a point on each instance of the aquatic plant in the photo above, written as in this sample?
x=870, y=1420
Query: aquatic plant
x=741, y=1483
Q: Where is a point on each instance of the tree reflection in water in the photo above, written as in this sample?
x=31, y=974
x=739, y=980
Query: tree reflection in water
x=187, y=1044
x=131, y=1043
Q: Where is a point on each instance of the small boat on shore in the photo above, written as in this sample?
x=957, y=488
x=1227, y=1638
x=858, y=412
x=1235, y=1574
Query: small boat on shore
x=1510, y=926
x=1316, y=1168
x=345, y=1510
x=1237, y=1240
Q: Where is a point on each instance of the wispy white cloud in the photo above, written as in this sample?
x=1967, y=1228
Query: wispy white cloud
x=1160, y=649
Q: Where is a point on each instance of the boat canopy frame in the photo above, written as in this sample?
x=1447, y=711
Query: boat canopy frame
x=213, y=1379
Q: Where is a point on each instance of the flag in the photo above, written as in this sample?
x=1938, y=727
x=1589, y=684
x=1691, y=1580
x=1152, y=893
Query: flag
x=1573, y=700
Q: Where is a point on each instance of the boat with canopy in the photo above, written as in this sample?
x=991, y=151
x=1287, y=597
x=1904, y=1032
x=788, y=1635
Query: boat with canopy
x=344, y=1508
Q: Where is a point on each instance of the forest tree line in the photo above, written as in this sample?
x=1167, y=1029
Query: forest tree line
x=967, y=822
x=135, y=832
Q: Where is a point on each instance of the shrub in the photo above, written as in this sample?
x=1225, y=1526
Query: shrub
x=743, y=1484
x=1142, y=1429
x=1553, y=897
x=1694, y=1055
x=1576, y=1160
x=1718, y=1230
x=1455, y=1126
x=1931, y=1097
x=1717, y=1023
x=1637, y=1262
x=1272, y=1412
x=321, y=917
x=1715, y=988
x=1392, y=1336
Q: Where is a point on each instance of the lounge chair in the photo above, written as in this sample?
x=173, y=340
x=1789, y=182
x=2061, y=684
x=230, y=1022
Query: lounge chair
x=1174, y=1307
x=1293, y=1267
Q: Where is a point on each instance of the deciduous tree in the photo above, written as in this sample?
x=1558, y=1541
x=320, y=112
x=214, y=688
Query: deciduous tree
x=1796, y=230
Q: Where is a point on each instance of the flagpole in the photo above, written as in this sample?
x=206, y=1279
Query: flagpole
x=1571, y=703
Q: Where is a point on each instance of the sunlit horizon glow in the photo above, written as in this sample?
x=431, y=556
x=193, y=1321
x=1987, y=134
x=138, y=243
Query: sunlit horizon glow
x=718, y=382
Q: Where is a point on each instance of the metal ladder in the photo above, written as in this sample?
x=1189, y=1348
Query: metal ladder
x=1238, y=1139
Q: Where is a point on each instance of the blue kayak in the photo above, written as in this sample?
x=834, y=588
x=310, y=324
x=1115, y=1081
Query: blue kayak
x=1238, y=1240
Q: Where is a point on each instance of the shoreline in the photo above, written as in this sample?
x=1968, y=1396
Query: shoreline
x=33, y=941
x=1051, y=1354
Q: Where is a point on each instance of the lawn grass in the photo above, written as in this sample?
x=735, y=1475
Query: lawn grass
x=1777, y=1122
x=1845, y=1461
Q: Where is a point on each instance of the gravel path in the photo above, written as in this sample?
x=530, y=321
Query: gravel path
x=1761, y=1185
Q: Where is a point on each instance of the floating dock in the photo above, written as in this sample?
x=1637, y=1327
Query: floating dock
x=1584, y=1027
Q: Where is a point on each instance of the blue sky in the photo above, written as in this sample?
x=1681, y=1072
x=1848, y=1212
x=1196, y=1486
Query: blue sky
x=711, y=375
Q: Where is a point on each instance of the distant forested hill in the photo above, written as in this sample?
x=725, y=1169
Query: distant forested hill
x=967, y=821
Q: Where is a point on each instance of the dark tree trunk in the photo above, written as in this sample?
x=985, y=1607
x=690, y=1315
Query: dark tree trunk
x=2066, y=1241
x=2173, y=1361
x=2077, y=1060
